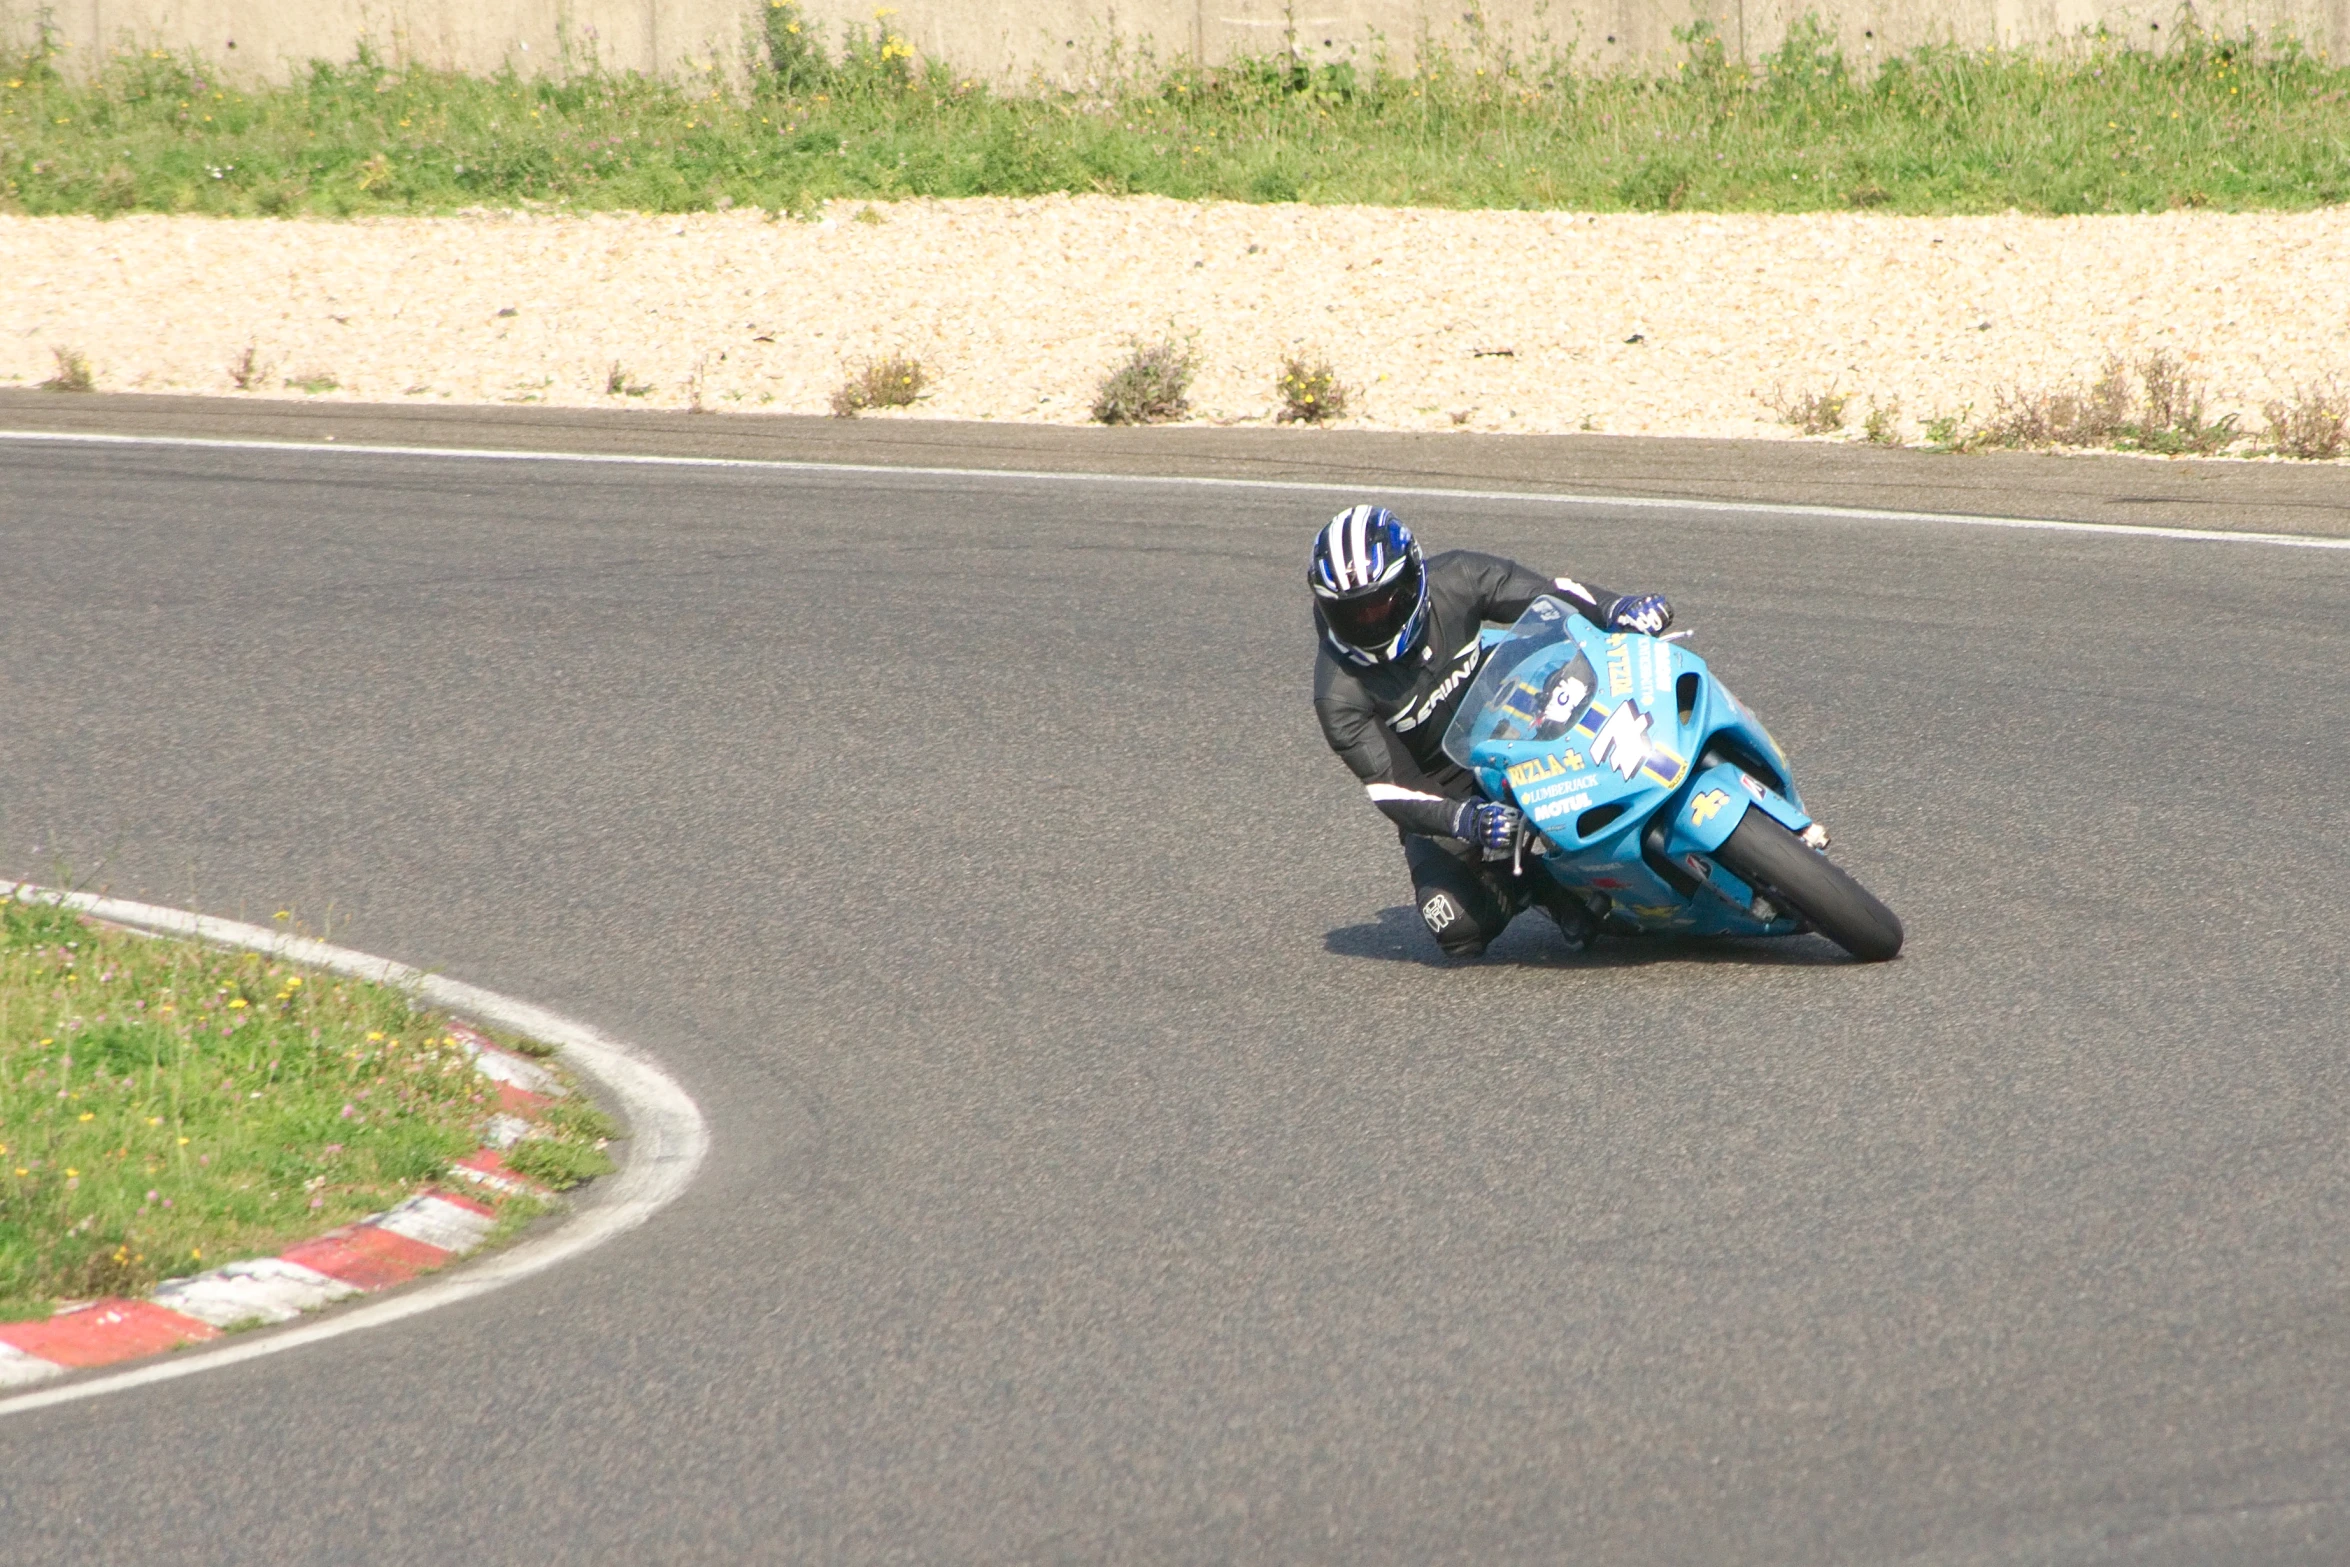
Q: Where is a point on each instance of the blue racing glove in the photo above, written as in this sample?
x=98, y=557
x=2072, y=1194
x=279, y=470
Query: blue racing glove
x=1647, y=613
x=1496, y=829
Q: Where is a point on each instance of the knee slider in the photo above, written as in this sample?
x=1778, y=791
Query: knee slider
x=1456, y=932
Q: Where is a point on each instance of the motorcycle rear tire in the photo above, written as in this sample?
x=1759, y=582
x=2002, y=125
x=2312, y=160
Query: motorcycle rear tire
x=1765, y=855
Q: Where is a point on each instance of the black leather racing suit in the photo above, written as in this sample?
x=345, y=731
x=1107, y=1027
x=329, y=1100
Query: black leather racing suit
x=1388, y=724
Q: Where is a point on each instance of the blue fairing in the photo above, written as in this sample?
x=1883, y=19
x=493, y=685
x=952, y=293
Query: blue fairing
x=1632, y=761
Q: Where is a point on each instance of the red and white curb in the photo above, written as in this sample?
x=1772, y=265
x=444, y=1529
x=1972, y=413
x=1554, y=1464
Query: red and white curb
x=667, y=1141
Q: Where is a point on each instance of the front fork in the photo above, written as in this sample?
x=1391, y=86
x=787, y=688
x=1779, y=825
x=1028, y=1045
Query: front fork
x=1712, y=809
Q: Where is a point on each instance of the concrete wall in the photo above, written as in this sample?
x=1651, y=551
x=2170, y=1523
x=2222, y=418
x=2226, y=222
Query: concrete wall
x=1067, y=41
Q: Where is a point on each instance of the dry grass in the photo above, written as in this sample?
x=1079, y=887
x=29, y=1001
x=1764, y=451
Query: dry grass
x=73, y=372
x=249, y=371
x=891, y=381
x=2313, y=423
x=1310, y=391
x=2152, y=407
x=1813, y=413
x=1882, y=427
x=1150, y=387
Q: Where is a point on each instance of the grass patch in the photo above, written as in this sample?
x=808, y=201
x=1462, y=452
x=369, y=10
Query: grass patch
x=1150, y=386
x=165, y=1107
x=892, y=381
x=2091, y=127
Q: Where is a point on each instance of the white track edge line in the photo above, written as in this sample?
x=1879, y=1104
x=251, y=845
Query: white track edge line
x=668, y=1138
x=2307, y=541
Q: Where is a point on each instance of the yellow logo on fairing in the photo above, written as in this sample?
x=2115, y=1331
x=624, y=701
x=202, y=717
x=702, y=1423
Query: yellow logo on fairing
x=1704, y=808
x=1556, y=765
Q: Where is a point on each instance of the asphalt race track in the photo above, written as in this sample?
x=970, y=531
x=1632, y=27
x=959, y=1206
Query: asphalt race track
x=1102, y=1166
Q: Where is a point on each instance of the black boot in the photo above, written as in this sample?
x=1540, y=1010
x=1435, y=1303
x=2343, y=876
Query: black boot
x=1576, y=922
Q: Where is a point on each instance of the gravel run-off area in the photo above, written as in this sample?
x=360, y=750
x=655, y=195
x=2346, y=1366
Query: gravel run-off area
x=1533, y=321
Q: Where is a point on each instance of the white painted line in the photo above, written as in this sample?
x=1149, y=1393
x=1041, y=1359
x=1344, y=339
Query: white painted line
x=667, y=1140
x=2304, y=541
x=261, y=1289
x=18, y=1369
x=436, y=1221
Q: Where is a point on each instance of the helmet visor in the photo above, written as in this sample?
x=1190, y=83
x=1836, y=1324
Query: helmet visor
x=1372, y=619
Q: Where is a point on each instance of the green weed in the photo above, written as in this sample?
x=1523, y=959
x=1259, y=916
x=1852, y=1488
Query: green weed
x=1882, y=426
x=556, y=1163
x=2092, y=127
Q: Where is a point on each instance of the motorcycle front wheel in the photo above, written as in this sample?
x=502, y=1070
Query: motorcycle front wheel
x=1765, y=855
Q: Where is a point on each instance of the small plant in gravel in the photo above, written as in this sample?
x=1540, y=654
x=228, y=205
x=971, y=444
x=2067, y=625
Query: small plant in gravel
x=891, y=381
x=2313, y=423
x=1882, y=427
x=2165, y=411
x=1310, y=391
x=619, y=383
x=1150, y=385
x=2172, y=418
x=1813, y=413
x=165, y=1106
x=1949, y=432
x=314, y=382
x=73, y=372
x=249, y=370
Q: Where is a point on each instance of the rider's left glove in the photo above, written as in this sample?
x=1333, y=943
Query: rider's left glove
x=1647, y=613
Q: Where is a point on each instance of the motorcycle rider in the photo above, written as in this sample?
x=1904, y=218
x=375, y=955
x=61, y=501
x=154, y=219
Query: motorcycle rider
x=1399, y=648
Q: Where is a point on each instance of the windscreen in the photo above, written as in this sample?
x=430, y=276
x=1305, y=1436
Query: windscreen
x=1534, y=685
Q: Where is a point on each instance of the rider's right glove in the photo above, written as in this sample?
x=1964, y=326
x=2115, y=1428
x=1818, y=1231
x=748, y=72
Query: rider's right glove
x=1648, y=613
x=1495, y=829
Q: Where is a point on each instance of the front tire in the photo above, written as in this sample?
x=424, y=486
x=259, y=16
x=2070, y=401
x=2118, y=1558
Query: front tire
x=1766, y=856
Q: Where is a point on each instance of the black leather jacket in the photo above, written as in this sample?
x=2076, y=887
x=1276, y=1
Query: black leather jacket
x=1388, y=722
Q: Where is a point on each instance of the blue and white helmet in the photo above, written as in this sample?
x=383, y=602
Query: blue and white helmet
x=1370, y=588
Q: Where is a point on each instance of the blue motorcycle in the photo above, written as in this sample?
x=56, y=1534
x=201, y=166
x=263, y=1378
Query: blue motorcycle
x=1651, y=792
